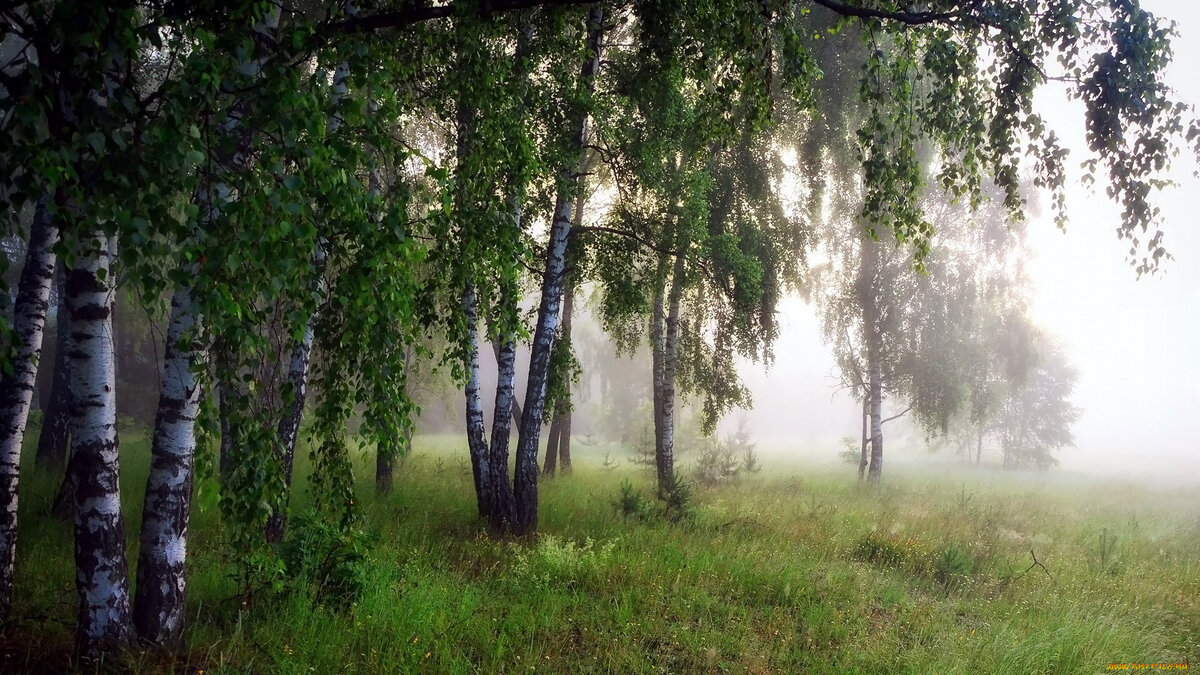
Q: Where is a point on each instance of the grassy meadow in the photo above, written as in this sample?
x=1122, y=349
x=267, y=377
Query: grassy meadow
x=785, y=571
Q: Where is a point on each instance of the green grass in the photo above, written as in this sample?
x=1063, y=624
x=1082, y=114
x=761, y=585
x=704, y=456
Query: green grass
x=791, y=570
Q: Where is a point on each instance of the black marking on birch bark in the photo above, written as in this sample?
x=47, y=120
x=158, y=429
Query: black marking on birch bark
x=104, y=622
x=525, y=483
x=16, y=388
x=160, y=600
x=52, y=442
x=500, y=490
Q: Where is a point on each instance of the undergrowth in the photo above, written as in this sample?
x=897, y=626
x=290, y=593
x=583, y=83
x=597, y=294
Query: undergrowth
x=786, y=571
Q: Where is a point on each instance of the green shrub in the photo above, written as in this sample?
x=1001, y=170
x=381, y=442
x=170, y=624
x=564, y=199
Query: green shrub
x=677, y=500
x=952, y=566
x=631, y=503
x=327, y=560
x=555, y=560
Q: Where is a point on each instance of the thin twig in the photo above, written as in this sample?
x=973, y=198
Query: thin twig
x=1036, y=563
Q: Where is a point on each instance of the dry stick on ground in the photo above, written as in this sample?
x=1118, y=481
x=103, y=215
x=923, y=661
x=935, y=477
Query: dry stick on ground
x=1036, y=563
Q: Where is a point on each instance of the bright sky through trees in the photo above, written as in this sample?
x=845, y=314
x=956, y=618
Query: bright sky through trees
x=1134, y=341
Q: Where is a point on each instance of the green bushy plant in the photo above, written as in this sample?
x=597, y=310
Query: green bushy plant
x=555, y=560
x=631, y=503
x=677, y=500
x=327, y=560
x=951, y=567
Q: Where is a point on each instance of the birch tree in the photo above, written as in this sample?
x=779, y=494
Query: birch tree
x=16, y=386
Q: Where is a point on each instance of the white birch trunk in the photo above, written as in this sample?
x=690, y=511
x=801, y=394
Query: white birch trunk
x=101, y=577
x=298, y=369
x=160, y=602
x=16, y=389
x=476, y=432
x=499, y=490
x=161, y=572
x=670, y=360
x=525, y=482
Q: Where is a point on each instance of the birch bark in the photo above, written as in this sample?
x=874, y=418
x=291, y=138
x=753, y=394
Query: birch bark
x=101, y=575
x=16, y=388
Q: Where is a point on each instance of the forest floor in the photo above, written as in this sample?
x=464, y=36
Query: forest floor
x=788, y=570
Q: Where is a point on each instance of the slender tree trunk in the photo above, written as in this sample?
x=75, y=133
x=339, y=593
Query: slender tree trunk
x=559, y=444
x=550, y=464
x=979, y=446
x=224, y=411
x=64, y=499
x=564, y=444
x=476, y=431
x=105, y=622
x=385, y=463
x=289, y=426
x=385, y=469
x=670, y=359
x=56, y=422
x=876, y=385
x=16, y=388
x=502, y=506
x=525, y=483
x=868, y=280
x=864, y=454
x=159, y=602
x=658, y=318
x=563, y=418
x=497, y=346
x=386, y=457
x=298, y=370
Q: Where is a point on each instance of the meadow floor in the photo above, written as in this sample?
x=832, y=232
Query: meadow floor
x=791, y=570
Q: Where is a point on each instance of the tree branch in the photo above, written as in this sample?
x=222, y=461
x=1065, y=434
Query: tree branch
x=898, y=415
x=416, y=14
x=624, y=233
x=909, y=18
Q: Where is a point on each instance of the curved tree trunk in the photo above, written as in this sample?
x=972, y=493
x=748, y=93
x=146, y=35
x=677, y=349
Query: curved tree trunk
x=16, y=388
x=101, y=577
x=525, y=483
x=56, y=423
x=159, y=603
x=289, y=426
x=298, y=370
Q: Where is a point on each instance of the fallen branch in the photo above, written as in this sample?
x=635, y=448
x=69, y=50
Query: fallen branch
x=1036, y=563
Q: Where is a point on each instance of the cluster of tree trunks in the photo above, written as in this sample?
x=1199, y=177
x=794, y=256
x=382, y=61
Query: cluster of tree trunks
x=515, y=510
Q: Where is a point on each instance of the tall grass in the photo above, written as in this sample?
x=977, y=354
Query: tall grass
x=785, y=571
